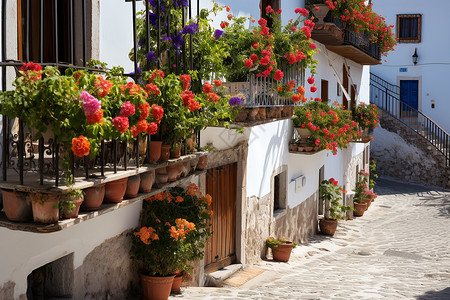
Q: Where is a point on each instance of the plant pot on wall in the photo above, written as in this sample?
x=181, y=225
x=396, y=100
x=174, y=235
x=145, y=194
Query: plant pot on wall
x=155, y=151
x=133, y=184
x=328, y=227
x=155, y=287
x=165, y=152
x=320, y=11
x=17, y=206
x=115, y=190
x=147, y=181
x=303, y=132
x=72, y=212
x=93, y=197
x=45, y=207
x=176, y=285
x=282, y=252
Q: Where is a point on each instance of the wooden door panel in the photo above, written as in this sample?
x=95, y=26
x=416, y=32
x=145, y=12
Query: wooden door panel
x=221, y=246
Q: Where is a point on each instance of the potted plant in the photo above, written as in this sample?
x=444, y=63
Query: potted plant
x=69, y=206
x=166, y=240
x=372, y=173
x=329, y=127
x=332, y=194
x=281, y=248
x=360, y=197
x=367, y=117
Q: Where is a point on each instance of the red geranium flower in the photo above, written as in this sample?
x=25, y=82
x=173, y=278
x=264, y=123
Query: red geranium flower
x=80, y=146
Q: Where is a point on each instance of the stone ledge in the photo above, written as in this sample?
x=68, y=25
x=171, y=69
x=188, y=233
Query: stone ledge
x=95, y=177
x=84, y=216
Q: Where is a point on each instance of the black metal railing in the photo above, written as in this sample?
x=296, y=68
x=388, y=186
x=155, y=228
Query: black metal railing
x=387, y=97
x=362, y=41
x=26, y=159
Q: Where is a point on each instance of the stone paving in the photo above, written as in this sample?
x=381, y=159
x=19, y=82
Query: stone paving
x=399, y=249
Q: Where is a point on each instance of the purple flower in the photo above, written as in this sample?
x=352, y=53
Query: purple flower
x=152, y=18
x=151, y=57
x=140, y=42
x=190, y=29
x=183, y=3
x=90, y=103
x=178, y=40
x=235, y=101
x=218, y=33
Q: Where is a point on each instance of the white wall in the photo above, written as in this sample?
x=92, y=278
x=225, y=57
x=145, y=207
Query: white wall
x=433, y=63
x=22, y=252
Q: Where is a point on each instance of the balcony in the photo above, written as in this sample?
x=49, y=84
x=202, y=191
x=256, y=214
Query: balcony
x=347, y=43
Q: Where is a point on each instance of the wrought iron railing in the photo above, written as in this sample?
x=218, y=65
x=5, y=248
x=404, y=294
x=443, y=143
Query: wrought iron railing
x=27, y=160
x=260, y=91
x=387, y=97
x=362, y=41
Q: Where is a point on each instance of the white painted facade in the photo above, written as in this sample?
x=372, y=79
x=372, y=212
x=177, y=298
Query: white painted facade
x=22, y=252
x=433, y=64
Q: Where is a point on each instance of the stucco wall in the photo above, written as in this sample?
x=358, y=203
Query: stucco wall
x=23, y=252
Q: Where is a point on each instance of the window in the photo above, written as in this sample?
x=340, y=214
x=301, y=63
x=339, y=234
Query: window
x=275, y=4
x=324, y=90
x=409, y=28
x=279, y=187
x=52, y=31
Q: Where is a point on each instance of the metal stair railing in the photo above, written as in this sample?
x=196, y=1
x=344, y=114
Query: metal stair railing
x=387, y=97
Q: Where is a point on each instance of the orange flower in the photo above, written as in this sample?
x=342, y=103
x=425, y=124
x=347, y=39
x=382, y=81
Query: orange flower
x=179, y=199
x=80, y=146
x=191, y=226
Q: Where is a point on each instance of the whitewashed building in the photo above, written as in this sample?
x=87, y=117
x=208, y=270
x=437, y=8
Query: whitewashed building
x=274, y=192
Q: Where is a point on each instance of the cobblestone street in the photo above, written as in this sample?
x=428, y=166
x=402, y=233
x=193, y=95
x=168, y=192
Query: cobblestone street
x=399, y=249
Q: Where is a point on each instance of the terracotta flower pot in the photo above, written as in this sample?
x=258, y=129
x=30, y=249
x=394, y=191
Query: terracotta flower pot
x=359, y=209
x=133, y=186
x=202, y=162
x=93, y=198
x=147, y=181
x=176, y=153
x=156, y=288
x=176, y=285
x=45, y=207
x=115, y=190
x=165, y=152
x=186, y=169
x=241, y=116
x=303, y=132
x=328, y=227
x=75, y=210
x=367, y=202
x=17, y=206
x=262, y=113
x=155, y=151
x=172, y=172
x=161, y=175
x=253, y=113
x=282, y=252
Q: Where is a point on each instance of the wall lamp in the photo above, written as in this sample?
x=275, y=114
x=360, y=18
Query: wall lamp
x=415, y=56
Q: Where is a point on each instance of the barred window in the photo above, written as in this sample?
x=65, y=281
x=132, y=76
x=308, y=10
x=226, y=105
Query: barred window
x=409, y=28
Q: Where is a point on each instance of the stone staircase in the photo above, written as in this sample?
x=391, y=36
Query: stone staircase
x=408, y=145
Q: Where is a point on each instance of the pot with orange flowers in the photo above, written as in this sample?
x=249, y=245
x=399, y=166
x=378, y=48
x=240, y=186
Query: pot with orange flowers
x=172, y=232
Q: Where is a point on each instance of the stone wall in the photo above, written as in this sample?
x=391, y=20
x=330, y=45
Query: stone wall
x=296, y=224
x=401, y=153
x=108, y=272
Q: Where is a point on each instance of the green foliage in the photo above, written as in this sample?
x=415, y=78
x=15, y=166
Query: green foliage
x=373, y=173
x=273, y=242
x=332, y=194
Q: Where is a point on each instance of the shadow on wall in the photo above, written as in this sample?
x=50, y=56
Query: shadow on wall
x=435, y=295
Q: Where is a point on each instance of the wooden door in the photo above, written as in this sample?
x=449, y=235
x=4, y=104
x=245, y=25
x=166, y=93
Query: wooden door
x=409, y=97
x=220, y=250
x=345, y=84
x=324, y=90
x=353, y=97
